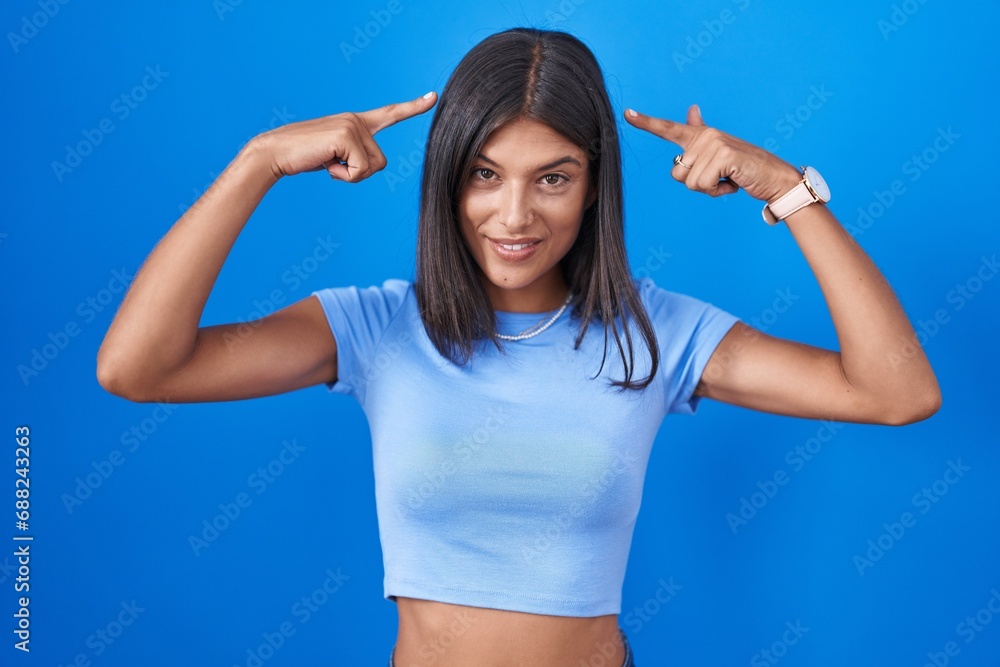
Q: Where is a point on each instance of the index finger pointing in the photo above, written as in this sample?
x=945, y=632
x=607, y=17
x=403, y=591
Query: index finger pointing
x=390, y=114
x=677, y=133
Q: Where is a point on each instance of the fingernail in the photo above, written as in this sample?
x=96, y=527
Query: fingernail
x=428, y=95
x=631, y=112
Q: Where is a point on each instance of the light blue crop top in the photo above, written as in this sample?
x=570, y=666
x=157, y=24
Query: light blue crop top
x=512, y=482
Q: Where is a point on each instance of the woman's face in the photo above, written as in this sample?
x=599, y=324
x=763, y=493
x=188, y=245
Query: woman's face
x=528, y=185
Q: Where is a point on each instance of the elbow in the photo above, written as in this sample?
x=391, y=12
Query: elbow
x=113, y=378
x=916, y=407
x=111, y=382
x=107, y=377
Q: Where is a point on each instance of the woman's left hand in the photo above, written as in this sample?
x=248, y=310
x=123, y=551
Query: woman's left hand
x=718, y=163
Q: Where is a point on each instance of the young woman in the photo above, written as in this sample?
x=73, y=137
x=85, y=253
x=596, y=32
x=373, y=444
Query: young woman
x=514, y=388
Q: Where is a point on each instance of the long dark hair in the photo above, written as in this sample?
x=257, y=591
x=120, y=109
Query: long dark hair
x=553, y=78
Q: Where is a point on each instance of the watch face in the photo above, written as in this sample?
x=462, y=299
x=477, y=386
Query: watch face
x=818, y=184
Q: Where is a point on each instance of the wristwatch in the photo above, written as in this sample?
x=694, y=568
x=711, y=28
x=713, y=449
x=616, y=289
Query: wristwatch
x=812, y=189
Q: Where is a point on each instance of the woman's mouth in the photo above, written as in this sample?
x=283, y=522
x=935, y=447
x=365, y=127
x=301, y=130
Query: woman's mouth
x=514, y=252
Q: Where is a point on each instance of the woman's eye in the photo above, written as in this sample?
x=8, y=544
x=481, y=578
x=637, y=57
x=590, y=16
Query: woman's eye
x=484, y=174
x=552, y=179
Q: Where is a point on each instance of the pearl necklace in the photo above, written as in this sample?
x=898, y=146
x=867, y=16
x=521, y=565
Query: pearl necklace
x=528, y=333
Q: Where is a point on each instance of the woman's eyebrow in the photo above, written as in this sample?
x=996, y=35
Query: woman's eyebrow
x=563, y=160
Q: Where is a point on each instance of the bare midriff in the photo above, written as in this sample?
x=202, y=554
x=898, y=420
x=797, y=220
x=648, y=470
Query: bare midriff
x=450, y=635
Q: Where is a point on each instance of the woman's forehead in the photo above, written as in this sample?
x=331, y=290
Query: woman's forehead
x=525, y=139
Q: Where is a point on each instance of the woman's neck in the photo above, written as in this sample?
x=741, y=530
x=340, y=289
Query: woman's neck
x=545, y=294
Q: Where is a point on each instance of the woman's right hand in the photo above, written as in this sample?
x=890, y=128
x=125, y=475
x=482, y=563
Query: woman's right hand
x=343, y=143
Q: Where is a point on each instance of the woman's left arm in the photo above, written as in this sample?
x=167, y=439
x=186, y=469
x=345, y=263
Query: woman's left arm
x=880, y=375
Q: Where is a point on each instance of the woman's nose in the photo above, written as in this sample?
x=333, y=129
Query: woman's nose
x=515, y=208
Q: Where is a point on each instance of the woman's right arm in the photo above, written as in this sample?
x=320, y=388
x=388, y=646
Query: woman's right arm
x=154, y=349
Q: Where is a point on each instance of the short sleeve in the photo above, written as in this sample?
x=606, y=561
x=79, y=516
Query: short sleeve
x=358, y=318
x=688, y=331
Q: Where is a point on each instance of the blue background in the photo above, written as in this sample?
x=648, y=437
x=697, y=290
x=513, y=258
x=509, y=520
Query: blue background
x=230, y=71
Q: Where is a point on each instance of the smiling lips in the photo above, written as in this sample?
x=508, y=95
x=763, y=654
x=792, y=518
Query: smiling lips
x=515, y=249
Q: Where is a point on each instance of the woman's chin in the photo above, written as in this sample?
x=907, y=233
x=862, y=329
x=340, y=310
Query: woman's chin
x=527, y=275
x=501, y=283
x=511, y=280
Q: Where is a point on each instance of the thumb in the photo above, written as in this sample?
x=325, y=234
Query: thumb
x=694, y=116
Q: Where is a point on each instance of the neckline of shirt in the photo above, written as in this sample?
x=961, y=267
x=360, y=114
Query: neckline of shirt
x=508, y=317
x=512, y=324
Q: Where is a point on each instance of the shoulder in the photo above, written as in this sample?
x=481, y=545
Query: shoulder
x=688, y=330
x=394, y=290
x=370, y=308
x=682, y=319
x=391, y=294
x=661, y=303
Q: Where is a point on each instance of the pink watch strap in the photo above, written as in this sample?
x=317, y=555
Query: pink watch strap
x=788, y=203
